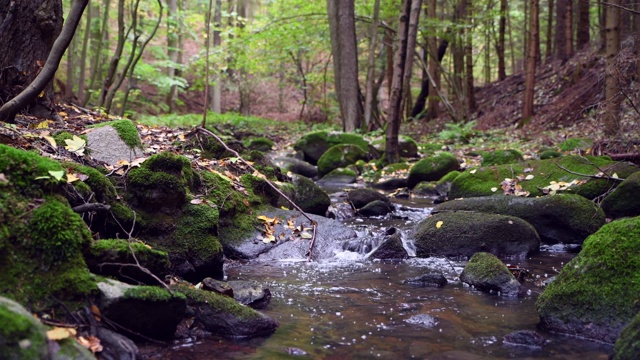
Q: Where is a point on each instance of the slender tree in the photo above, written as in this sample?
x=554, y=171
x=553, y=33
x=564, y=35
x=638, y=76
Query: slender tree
x=582, y=29
x=345, y=61
x=434, y=64
x=530, y=78
x=613, y=97
x=500, y=45
x=371, y=66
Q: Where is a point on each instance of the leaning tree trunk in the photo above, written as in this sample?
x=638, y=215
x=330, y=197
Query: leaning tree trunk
x=43, y=79
x=29, y=29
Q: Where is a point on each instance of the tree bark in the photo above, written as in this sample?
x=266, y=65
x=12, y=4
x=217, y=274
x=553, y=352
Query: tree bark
x=468, y=50
x=29, y=29
x=560, y=42
x=115, y=59
x=371, y=66
x=434, y=67
x=216, y=93
x=568, y=29
x=31, y=92
x=97, y=60
x=582, y=35
x=549, y=42
x=527, y=109
x=613, y=97
x=500, y=46
x=345, y=61
x=83, y=56
x=173, y=20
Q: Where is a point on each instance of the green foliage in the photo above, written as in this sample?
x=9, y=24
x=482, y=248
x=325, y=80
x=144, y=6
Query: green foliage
x=459, y=133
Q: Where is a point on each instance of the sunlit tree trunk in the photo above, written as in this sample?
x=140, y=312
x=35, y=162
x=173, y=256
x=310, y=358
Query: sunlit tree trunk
x=173, y=20
x=371, y=66
x=216, y=93
x=100, y=40
x=613, y=97
x=83, y=55
x=527, y=109
x=115, y=59
x=345, y=61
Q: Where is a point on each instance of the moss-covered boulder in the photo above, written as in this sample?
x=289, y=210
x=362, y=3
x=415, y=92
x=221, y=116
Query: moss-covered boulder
x=486, y=272
x=148, y=310
x=598, y=292
x=624, y=201
x=464, y=233
x=296, y=166
x=562, y=218
x=114, y=141
x=340, y=156
x=161, y=182
x=22, y=336
x=572, y=144
x=627, y=346
x=106, y=257
x=549, y=154
x=313, y=145
x=407, y=147
x=501, y=157
x=340, y=176
x=222, y=315
x=260, y=144
x=358, y=198
x=309, y=196
x=566, y=172
x=432, y=168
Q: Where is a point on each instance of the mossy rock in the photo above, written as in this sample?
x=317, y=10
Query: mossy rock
x=627, y=346
x=549, y=154
x=310, y=197
x=486, y=272
x=359, y=198
x=260, y=144
x=429, y=148
x=340, y=156
x=562, y=218
x=451, y=175
x=501, y=157
x=126, y=130
x=316, y=143
x=624, y=201
x=340, y=176
x=22, y=336
x=105, y=253
x=576, y=144
x=432, y=168
x=161, y=182
x=407, y=147
x=598, y=292
x=23, y=168
x=464, y=233
x=484, y=181
x=222, y=315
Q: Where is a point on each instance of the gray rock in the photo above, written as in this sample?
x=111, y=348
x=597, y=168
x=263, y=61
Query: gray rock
x=524, y=338
x=329, y=237
x=361, y=197
x=376, y=208
x=424, y=320
x=339, y=176
x=217, y=286
x=340, y=211
x=116, y=346
x=464, y=233
x=106, y=145
x=562, y=218
x=309, y=196
x=428, y=280
x=296, y=166
x=487, y=273
x=391, y=248
x=24, y=341
x=251, y=293
x=391, y=184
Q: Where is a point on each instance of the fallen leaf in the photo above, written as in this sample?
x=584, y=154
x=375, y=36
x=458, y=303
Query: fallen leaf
x=473, y=171
x=197, y=201
x=56, y=174
x=92, y=343
x=529, y=177
x=305, y=235
x=59, y=333
x=71, y=177
x=51, y=141
x=494, y=189
x=439, y=224
x=75, y=145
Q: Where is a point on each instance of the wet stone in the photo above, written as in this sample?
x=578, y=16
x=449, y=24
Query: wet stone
x=217, y=286
x=524, y=338
x=428, y=280
x=424, y=320
x=251, y=293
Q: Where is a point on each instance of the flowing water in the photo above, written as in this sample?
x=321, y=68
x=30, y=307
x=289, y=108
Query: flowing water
x=353, y=308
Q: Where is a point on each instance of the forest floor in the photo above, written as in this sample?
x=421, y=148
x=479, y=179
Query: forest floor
x=569, y=103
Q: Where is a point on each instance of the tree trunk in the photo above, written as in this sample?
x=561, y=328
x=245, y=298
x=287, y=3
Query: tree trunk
x=613, y=97
x=115, y=59
x=468, y=49
x=371, y=66
x=527, y=109
x=173, y=20
x=636, y=29
x=401, y=63
x=97, y=60
x=560, y=42
x=568, y=29
x=70, y=70
x=582, y=35
x=83, y=56
x=549, y=42
x=500, y=46
x=412, y=34
x=216, y=93
x=42, y=79
x=434, y=66
x=345, y=61
x=29, y=29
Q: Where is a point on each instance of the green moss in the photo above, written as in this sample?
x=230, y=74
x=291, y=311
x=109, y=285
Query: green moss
x=623, y=201
x=117, y=250
x=392, y=168
x=195, y=232
x=57, y=232
x=429, y=148
x=126, y=130
x=22, y=336
x=485, y=266
x=336, y=138
x=340, y=156
x=235, y=229
x=480, y=181
x=218, y=302
x=549, y=154
x=576, y=144
x=261, y=190
x=21, y=168
x=152, y=293
x=161, y=181
x=602, y=284
x=451, y=175
x=501, y=157
x=628, y=344
x=98, y=182
x=432, y=168
x=260, y=144
x=60, y=137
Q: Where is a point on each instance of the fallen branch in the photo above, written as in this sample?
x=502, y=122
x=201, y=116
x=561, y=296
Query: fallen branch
x=314, y=224
x=91, y=207
x=603, y=176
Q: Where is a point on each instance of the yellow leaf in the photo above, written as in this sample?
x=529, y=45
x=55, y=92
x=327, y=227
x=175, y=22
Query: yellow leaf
x=75, y=145
x=58, y=333
x=439, y=224
x=71, y=177
x=473, y=171
x=284, y=208
x=265, y=218
x=529, y=177
x=306, y=235
x=615, y=176
x=43, y=125
x=51, y=141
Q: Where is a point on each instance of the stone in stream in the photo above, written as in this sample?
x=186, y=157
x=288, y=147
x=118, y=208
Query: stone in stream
x=428, y=280
x=487, y=273
x=217, y=286
x=250, y=293
x=378, y=204
x=424, y=320
x=296, y=166
x=524, y=338
x=464, y=233
x=391, y=247
x=625, y=199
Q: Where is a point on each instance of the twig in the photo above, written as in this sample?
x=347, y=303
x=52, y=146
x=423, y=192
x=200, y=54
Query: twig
x=275, y=188
x=606, y=176
x=91, y=207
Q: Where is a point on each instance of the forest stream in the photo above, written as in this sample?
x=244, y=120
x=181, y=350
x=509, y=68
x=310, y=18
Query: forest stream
x=350, y=307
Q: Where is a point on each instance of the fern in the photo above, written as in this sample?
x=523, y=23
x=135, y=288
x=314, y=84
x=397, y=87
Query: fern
x=458, y=132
